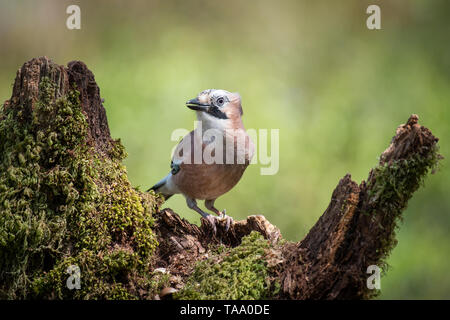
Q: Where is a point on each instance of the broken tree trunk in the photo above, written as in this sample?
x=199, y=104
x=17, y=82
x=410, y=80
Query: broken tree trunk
x=78, y=208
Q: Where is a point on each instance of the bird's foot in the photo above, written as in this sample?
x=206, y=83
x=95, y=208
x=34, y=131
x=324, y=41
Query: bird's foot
x=228, y=219
x=222, y=217
x=213, y=221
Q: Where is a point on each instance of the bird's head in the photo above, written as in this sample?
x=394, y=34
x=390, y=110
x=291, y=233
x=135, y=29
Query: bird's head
x=217, y=108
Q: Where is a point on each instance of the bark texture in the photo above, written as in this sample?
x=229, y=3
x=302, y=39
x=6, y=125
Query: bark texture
x=76, y=75
x=356, y=230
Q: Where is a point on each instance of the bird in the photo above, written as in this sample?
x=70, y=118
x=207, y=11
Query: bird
x=210, y=160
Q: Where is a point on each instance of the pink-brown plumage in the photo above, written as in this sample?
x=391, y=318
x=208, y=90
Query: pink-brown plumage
x=221, y=136
x=207, y=181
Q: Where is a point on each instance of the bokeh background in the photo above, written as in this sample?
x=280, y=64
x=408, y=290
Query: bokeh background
x=312, y=69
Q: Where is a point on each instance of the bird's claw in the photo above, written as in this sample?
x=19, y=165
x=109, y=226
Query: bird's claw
x=228, y=219
x=213, y=222
x=222, y=217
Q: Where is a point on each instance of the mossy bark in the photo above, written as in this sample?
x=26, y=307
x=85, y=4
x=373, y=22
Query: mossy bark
x=65, y=200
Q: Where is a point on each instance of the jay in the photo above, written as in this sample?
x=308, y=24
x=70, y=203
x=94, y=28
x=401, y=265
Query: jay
x=210, y=160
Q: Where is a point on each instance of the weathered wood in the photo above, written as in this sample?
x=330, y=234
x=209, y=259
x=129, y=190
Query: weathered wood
x=356, y=230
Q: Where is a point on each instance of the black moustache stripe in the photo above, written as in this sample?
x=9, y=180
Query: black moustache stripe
x=215, y=112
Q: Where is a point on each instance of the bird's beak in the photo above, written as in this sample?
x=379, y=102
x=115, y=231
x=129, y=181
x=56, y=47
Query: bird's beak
x=196, y=105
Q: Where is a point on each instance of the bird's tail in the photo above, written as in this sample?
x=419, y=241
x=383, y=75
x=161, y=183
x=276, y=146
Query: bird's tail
x=161, y=187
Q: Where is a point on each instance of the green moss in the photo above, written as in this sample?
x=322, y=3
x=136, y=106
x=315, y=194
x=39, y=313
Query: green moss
x=233, y=273
x=62, y=204
x=390, y=188
x=394, y=183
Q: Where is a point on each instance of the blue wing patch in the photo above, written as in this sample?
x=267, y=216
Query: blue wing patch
x=175, y=168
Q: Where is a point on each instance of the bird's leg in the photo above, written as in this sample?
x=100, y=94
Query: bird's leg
x=209, y=204
x=192, y=204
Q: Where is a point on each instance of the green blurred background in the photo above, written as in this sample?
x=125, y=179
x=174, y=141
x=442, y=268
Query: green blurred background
x=335, y=89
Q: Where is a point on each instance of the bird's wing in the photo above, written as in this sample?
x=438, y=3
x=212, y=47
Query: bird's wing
x=200, y=180
x=191, y=148
x=186, y=150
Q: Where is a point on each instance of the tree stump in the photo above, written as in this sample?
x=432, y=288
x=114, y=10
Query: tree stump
x=65, y=200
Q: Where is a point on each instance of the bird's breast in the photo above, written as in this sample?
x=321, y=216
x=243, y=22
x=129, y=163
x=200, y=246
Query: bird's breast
x=208, y=181
x=210, y=168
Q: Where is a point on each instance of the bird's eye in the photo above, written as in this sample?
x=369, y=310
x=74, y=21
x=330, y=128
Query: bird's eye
x=220, y=101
